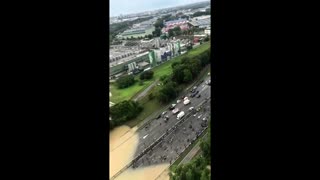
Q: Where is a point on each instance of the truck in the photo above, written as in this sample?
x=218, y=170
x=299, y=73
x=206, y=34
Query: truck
x=180, y=115
x=186, y=102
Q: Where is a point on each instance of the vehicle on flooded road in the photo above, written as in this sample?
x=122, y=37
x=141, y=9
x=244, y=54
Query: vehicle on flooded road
x=175, y=111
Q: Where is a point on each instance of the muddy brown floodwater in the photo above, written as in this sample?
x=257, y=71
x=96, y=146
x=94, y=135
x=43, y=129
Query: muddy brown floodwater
x=123, y=145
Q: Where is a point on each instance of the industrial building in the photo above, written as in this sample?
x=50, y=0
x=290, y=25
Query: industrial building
x=182, y=23
x=139, y=30
x=201, y=21
x=130, y=60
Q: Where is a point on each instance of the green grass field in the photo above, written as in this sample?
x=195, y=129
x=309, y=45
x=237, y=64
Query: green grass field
x=119, y=95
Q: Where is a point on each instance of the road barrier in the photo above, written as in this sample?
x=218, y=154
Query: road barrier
x=156, y=143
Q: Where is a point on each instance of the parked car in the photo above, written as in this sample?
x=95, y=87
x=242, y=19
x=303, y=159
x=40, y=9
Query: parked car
x=191, y=108
x=178, y=101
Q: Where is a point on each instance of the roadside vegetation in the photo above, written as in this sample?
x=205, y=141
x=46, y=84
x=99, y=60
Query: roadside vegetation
x=123, y=112
x=184, y=71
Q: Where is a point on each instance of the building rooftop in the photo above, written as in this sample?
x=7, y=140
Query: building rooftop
x=201, y=21
x=175, y=21
x=126, y=59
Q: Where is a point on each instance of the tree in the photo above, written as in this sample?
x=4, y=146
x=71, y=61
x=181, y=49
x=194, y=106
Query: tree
x=162, y=78
x=177, y=30
x=178, y=74
x=185, y=60
x=151, y=96
x=171, y=32
x=187, y=75
x=124, y=111
x=125, y=81
x=175, y=64
x=146, y=75
x=167, y=92
x=189, y=175
x=150, y=36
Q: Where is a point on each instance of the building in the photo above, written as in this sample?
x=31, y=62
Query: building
x=137, y=32
x=207, y=31
x=201, y=21
x=130, y=60
x=182, y=23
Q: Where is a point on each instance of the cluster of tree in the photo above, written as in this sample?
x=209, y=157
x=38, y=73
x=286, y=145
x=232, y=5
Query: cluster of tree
x=148, y=36
x=195, y=170
x=123, y=112
x=168, y=92
x=176, y=31
x=125, y=81
x=188, y=69
x=183, y=72
x=146, y=75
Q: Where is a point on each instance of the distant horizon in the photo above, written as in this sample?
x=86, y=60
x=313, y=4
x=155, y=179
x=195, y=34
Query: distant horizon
x=139, y=6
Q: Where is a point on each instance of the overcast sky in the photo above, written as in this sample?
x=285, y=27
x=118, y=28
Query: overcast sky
x=118, y=7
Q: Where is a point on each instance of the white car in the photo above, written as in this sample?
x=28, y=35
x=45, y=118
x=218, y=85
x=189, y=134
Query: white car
x=186, y=98
x=195, y=115
x=199, y=116
x=191, y=108
x=178, y=101
x=175, y=111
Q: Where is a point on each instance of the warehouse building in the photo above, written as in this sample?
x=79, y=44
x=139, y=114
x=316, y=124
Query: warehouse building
x=127, y=61
x=137, y=32
x=182, y=23
x=201, y=21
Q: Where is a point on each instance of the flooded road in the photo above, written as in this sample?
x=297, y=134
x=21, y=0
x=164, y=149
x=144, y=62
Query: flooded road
x=123, y=145
x=145, y=173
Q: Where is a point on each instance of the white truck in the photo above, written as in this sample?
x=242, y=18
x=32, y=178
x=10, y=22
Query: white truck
x=180, y=115
x=186, y=102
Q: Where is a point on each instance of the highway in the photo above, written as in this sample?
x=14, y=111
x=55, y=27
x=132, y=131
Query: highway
x=177, y=140
x=158, y=127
